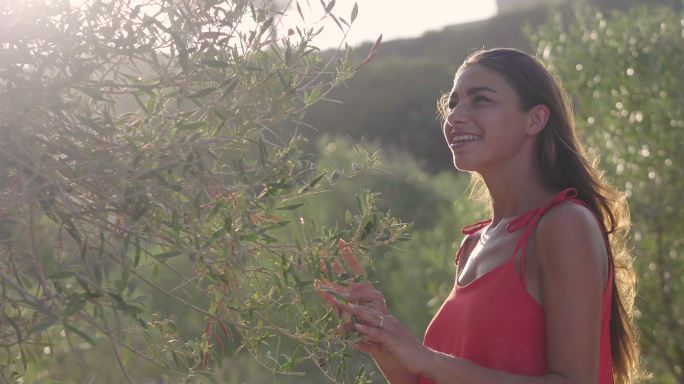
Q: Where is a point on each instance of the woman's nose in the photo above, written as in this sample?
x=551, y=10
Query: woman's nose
x=458, y=114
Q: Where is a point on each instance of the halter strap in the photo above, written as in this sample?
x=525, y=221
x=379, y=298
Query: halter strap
x=473, y=228
x=469, y=230
x=527, y=220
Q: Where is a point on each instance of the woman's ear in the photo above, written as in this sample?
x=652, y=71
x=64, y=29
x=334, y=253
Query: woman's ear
x=538, y=116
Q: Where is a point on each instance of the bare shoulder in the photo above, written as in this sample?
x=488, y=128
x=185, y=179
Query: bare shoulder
x=570, y=222
x=571, y=241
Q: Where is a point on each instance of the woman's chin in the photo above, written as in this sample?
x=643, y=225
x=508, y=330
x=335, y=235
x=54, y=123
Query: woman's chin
x=461, y=165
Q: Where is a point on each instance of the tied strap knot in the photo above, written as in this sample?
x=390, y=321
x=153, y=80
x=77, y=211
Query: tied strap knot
x=523, y=220
x=529, y=221
x=530, y=218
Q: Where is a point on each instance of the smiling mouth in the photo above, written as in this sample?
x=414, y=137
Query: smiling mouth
x=463, y=139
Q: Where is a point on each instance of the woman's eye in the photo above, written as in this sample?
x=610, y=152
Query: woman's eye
x=479, y=99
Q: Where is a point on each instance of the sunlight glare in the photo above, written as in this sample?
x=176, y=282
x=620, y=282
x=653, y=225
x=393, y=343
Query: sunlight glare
x=391, y=18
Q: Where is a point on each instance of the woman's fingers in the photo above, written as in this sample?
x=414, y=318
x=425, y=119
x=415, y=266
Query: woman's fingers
x=355, y=268
x=363, y=293
x=329, y=296
x=356, y=293
x=349, y=257
x=337, y=268
x=366, y=293
x=346, y=321
x=371, y=333
x=340, y=297
x=335, y=265
x=366, y=315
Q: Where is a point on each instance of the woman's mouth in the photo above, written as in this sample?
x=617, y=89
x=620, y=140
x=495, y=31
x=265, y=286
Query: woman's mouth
x=458, y=140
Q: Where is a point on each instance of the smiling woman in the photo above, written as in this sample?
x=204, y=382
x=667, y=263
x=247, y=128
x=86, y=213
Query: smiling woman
x=542, y=292
x=485, y=124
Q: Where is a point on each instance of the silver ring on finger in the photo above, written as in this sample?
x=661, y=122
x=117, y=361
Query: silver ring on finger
x=382, y=319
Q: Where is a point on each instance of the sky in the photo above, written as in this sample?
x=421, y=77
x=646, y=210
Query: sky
x=393, y=19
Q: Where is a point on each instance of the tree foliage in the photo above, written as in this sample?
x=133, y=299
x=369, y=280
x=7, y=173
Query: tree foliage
x=151, y=150
x=623, y=72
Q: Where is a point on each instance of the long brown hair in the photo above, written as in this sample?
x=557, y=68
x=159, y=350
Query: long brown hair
x=562, y=163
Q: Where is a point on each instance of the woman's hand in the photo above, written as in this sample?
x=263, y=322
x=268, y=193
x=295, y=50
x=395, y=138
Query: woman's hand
x=363, y=293
x=391, y=336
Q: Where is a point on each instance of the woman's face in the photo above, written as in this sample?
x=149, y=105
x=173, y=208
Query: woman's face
x=485, y=126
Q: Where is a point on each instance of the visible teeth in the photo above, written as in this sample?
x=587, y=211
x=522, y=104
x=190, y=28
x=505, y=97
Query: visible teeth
x=462, y=138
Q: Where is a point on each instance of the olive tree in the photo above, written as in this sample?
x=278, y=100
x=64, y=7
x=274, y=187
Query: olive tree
x=141, y=139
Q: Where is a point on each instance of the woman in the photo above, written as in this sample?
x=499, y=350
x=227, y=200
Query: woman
x=536, y=297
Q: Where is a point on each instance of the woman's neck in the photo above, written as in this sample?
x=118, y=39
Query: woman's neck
x=513, y=193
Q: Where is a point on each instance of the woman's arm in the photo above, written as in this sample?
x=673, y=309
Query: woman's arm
x=572, y=261
x=363, y=293
x=393, y=371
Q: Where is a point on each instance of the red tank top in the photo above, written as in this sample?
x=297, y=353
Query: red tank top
x=494, y=322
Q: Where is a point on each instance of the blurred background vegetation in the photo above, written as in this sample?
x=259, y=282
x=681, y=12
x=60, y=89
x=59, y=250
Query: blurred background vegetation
x=621, y=62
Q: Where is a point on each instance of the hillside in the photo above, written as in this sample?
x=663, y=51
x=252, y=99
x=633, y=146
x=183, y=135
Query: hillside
x=392, y=100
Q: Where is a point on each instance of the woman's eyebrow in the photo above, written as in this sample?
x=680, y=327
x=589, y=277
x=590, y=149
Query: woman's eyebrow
x=470, y=92
x=475, y=90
